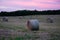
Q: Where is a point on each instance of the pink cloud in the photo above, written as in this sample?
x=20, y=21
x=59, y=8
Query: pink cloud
x=18, y=3
x=31, y=4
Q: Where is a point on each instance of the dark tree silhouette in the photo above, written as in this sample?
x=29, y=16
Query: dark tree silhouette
x=29, y=12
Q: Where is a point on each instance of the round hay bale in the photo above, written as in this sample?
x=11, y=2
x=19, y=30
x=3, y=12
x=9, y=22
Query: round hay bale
x=5, y=19
x=33, y=25
x=50, y=20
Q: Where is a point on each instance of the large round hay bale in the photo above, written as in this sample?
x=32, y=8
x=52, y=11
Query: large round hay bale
x=5, y=19
x=33, y=25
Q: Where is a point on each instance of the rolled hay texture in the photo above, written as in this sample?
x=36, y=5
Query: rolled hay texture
x=33, y=25
x=5, y=19
x=50, y=20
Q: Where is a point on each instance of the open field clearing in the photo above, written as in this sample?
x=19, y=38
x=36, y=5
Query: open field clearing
x=16, y=28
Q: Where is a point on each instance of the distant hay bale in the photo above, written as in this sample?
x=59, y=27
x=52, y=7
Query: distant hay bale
x=5, y=19
x=33, y=25
x=50, y=20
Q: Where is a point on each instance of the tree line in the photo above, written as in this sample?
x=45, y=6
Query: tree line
x=29, y=12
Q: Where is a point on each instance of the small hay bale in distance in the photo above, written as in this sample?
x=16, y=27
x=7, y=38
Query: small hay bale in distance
x=50, y=20
x=33, y=25
x=5, y=19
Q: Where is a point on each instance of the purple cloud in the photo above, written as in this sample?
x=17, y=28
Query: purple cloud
x=29, y=4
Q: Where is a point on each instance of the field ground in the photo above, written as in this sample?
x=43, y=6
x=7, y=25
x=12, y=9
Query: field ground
x=16, y=29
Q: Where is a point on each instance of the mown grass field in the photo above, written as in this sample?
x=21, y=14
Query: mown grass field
x=16, y=29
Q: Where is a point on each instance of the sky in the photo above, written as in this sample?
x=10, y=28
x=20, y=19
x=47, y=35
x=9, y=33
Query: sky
x=13, y=5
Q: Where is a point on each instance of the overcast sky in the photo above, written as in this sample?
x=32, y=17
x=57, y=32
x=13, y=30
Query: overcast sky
x=12, y=5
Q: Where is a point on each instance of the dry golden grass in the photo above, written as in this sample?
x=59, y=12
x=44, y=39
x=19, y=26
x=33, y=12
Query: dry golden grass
x=18, y=30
